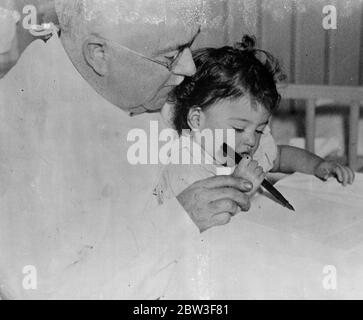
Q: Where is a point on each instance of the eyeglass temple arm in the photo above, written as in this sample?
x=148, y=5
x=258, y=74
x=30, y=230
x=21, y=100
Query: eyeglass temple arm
x=182, y=48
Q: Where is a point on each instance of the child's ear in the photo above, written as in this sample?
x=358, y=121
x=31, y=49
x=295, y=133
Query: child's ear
x=195, y=118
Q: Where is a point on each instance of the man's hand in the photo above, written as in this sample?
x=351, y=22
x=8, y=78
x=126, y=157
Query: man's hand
x=249, y=169
x=327, y=169
x=213, y=201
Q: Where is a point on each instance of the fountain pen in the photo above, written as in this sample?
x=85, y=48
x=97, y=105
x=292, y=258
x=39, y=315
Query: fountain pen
x=228, y=151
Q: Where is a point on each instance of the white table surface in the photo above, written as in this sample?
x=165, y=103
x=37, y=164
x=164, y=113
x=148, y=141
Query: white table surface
x=271, y=252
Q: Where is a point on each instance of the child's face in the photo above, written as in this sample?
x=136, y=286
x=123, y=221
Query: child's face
x=247, y=117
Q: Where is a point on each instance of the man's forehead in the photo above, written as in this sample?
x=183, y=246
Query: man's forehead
x=155, y=38
x=149, y=12
x=146, y=24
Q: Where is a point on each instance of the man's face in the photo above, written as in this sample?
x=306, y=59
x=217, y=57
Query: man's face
x=137, y=81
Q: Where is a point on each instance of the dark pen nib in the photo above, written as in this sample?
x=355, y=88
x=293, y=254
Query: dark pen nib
x=289, y=206
x=228, y=151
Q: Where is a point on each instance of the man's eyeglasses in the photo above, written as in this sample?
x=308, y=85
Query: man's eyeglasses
x=171, y=61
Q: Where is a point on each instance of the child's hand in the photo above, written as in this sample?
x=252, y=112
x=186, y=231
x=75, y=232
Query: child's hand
x=250, y=170
x=328, y=169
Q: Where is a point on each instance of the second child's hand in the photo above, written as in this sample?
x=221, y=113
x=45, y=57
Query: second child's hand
x=327, y=169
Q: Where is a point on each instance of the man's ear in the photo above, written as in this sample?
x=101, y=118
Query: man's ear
x=195, y=118
x=94, y=52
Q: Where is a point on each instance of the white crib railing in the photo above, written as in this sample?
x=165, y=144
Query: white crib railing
x=351, y=97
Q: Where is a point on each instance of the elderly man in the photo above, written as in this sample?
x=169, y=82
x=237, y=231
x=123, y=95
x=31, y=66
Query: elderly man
x=75, y=219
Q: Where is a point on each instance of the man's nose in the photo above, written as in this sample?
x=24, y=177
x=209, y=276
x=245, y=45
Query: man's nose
x=185, y=65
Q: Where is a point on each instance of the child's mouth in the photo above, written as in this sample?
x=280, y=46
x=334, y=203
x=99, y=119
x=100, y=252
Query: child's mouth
x=244, y=154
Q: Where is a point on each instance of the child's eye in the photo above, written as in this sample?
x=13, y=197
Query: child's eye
x=259, y=131
x=239, y=130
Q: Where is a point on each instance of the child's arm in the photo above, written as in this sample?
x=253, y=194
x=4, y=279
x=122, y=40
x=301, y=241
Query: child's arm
x=290, y=159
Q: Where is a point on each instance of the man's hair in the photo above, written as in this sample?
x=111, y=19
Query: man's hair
x=69, y=15
x=228, y=73
x=79, y=17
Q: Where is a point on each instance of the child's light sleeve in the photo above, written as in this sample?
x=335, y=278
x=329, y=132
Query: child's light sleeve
x=176, y=178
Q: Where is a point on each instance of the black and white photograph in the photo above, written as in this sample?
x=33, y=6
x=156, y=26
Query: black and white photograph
x=181, y=150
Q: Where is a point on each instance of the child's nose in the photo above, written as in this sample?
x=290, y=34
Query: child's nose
x=250, y=139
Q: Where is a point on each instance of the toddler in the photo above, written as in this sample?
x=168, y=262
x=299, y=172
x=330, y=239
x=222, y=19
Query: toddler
x=235, y=88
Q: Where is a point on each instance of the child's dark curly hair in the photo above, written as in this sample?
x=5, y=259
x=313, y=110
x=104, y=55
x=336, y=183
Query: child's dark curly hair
x=228, y=73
